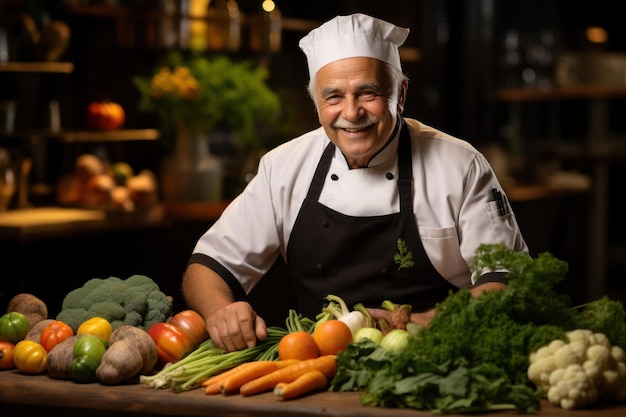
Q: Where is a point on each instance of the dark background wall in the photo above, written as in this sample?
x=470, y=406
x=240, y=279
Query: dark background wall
x=452, y=85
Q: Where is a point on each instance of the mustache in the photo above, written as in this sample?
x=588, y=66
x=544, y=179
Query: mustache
x=361, y=124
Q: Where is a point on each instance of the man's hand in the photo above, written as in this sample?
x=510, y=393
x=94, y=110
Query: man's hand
x=236, y=326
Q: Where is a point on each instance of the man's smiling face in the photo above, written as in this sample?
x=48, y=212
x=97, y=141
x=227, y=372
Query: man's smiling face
x=358, y=106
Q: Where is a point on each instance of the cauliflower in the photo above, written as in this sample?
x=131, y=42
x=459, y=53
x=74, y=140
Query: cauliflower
x=136, y=301
x=580, y=372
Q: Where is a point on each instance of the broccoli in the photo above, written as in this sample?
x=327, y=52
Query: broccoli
x=136, y=301
x=109, y=309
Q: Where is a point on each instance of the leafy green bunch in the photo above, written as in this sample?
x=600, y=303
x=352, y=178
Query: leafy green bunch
x=445, y=364
x=408, y=379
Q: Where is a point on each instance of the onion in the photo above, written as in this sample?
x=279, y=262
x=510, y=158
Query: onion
x=371, y=333
x=396, y=340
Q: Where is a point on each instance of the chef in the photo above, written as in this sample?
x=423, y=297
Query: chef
x=370, y=206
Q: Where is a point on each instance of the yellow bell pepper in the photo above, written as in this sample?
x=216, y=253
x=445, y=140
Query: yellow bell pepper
x=30, y=357
x=96, y=326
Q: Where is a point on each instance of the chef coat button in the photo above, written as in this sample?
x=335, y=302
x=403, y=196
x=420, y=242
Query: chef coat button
x=383, y=271
x=334, y=177
x=319, y=266
x=389, y=176
x=325, y=224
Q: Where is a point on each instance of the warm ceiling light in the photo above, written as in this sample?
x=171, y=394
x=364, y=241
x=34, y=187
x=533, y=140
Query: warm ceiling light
x=596, y=34
x=268, y=5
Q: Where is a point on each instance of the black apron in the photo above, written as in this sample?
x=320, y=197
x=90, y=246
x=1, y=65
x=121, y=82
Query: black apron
x=353, y=257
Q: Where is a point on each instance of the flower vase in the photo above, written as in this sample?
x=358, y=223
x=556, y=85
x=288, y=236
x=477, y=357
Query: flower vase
x=191, y=173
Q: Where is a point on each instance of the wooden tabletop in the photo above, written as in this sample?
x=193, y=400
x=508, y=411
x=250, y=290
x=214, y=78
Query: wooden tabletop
x=26, y=395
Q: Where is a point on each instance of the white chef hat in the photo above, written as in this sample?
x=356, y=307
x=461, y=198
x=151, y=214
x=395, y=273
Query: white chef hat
x=352, y=36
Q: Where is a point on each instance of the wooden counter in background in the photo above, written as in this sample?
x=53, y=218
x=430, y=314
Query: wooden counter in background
x=28, y=395
x=24, y=225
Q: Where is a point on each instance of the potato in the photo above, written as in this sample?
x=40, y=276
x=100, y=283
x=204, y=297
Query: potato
x=33, y=319
x=60, y=357
x=26, y=303
x=34, y=333
x=142, y=342
x=121, y=361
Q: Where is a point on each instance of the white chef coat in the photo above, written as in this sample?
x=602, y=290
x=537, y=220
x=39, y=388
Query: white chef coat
x=452, y=203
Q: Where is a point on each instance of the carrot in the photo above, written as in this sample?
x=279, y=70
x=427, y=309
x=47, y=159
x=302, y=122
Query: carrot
x=325, y=364
x=212, y=389
x=218, y=377
x=256, y=370
x=304, y=384
x=213, y=385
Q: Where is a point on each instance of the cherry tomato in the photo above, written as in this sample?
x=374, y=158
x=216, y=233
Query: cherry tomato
x=83, y=369
x=14, y=327
x=90, y=345
x=6, y=355
x=88, y=352
x=172, y=343
x=30, y=357
x=96, y=326
x=192, y=324
x=54, y=333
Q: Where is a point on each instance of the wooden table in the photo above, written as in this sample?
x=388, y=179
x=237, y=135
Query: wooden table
x=27, y=395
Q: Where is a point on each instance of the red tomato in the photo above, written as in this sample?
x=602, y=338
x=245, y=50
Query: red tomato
x=172, y=344
x=54, y=333
x=105, y=115
x=331, y=336
x=6, y=355
x=297, y=345
x=192, y=324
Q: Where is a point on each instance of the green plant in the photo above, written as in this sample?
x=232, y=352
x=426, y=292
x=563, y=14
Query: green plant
x=404, y=257
x=208, y=93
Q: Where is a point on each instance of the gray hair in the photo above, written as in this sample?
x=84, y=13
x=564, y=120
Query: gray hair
x=396, y=76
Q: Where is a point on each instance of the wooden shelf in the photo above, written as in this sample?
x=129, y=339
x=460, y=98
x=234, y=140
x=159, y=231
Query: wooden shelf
x=50, y=67
x=109, y=136
x=76, y=136
x=600, y=150
x=559, y=93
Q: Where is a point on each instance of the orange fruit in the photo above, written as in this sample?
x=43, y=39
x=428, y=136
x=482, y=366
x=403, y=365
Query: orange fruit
x=332, y=336
x=297, y=345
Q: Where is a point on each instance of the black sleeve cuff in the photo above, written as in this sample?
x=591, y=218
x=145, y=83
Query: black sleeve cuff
x=491, y=277
x=235, y=287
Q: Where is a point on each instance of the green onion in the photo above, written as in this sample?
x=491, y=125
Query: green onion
x=208, y=360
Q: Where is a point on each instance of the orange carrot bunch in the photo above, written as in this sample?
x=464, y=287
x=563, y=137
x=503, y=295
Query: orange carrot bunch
x=288, y=379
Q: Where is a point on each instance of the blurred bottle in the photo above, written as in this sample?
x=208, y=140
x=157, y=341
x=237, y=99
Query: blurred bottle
x=7, y=179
